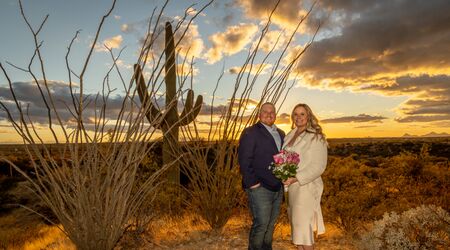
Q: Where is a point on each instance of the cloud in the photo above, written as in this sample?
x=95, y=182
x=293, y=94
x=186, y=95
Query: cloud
x=260, y=69
x=192, y=43
x=138, y=27
x=287, y=14
x=423, y=118
x=382, y=46
x=27, y=94
x=359, y=118
x=367, y=126
x=283, y=118
x=230, y=42
x=243, y=105
x=122, y=64
x=187, y=70
x=443, y=123
x=192, y=12
x=273, y=40
x=228, y=14
x=112, y=43
x=191, y=46
x=429, y=96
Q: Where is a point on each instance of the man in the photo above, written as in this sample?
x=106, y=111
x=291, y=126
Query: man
x=257, y=145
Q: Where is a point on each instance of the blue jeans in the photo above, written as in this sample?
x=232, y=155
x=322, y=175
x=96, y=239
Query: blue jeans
x=265, y=207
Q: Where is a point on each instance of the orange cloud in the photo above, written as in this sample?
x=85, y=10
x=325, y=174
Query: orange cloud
x=260, y=69
x=230, y=42
x=111, y=43
x=287, y=14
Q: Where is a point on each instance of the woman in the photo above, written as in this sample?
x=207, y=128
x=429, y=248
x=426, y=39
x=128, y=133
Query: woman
x=305, y=189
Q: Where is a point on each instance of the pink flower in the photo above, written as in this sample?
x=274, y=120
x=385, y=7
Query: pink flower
x=278, y=159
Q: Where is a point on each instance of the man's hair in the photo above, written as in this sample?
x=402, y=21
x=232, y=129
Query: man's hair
x=266, y=103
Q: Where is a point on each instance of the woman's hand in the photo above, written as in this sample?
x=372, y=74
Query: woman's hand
x=289, y=181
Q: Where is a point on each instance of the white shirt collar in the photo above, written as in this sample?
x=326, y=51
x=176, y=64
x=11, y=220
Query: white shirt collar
x=273, y=127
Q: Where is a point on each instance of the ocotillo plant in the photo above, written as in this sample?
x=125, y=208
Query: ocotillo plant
x=171, y=120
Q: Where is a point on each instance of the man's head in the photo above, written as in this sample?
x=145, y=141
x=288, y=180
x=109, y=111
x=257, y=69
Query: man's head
x=267, y=114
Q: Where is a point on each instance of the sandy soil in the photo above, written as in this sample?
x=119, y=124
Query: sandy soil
x=190, y=234
x=182, y=232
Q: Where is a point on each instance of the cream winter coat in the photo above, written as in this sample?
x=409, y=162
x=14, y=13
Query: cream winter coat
x=304, y=209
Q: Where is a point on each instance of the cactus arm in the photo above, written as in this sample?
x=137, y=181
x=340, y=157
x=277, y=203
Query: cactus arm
x=188, y=103
x=191, y=112
x=152, y=112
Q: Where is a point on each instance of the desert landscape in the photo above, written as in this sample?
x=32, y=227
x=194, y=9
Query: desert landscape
x=120, y=121
x=364, y=180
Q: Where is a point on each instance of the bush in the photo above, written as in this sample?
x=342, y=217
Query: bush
x=424, y=227
x=350, y=197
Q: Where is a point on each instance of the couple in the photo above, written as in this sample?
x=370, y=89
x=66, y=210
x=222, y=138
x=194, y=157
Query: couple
x=257, y=146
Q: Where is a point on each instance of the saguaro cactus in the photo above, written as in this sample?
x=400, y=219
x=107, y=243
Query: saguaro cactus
x=170, y=120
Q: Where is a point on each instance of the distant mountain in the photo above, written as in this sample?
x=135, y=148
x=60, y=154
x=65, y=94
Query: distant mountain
x=431, y=134
x=434, y=134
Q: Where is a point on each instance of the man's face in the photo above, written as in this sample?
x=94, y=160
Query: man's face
x=267, y=114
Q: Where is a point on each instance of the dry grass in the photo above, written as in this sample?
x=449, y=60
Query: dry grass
x=186, y=231
x=189, y=232
x=25, y=231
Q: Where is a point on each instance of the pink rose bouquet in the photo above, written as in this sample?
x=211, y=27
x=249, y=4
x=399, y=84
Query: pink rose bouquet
x=285, y=164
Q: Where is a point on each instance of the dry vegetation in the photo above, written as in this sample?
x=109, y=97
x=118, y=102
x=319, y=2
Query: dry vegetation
x=359, y=189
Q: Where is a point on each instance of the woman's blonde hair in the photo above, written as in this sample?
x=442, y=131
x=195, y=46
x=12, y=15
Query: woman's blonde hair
x=312, y=124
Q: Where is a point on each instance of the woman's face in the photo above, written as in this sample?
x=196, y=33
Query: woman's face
x=300, y=117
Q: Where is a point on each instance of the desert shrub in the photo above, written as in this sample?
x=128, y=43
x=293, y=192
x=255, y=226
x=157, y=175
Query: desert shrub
x=214, y=187
x=412, y=179
x=350, y=198
x=424, y=227
x=6, y=198
x=356, y=194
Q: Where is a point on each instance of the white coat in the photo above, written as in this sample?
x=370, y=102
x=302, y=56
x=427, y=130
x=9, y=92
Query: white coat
x=304, y=209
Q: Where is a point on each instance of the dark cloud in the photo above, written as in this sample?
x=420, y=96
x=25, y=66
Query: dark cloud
x=31, y=101
x=414, y=84
x=391, y=47
x=228, y=14
x=214, y=110
x=430, y=96
x=423, y=118
x=444, y=123
x=28, y=95
x=368, y=126
x=358, y=118
x=284, y=118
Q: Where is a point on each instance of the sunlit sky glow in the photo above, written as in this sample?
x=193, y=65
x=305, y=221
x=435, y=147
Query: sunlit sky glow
x=377, y=68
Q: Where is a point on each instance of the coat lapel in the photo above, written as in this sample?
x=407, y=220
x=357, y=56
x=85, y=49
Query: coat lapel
x=281, y=133
x=267, y=134
x=300, y=139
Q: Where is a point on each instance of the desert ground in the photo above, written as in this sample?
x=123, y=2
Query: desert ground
x=184, y=232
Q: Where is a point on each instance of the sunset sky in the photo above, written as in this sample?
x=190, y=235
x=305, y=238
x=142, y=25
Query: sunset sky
x=378, y=68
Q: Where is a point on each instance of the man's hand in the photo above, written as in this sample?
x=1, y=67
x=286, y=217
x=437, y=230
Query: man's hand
x=255, y=186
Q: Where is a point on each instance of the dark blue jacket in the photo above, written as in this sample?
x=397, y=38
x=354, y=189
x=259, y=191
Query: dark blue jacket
x=255, y=154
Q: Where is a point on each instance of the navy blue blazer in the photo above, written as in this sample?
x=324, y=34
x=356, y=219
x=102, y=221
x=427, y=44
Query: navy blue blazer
x=255, y=154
